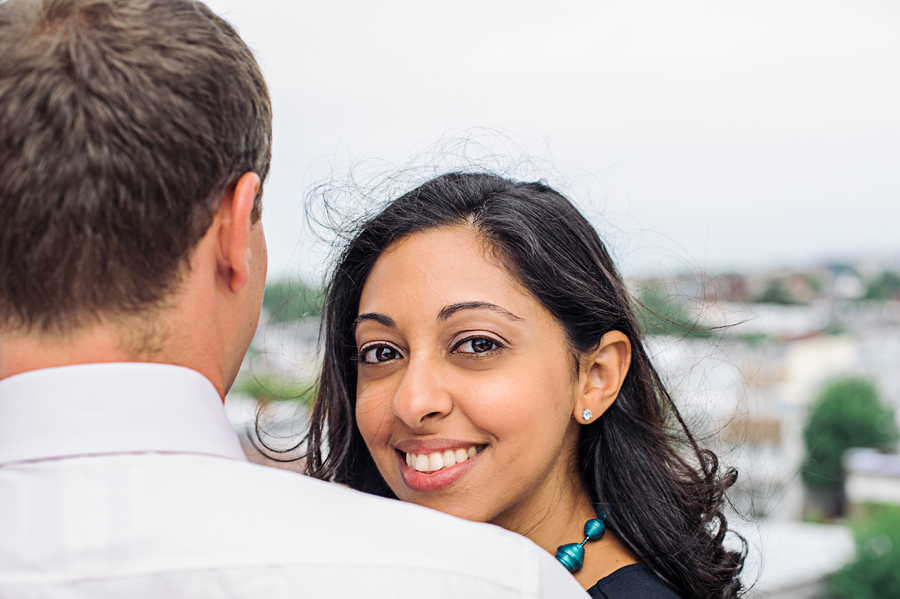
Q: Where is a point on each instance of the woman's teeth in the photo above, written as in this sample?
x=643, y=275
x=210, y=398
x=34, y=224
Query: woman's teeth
x=430, y=462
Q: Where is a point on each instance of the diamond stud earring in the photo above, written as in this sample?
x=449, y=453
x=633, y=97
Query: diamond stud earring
x=586, y=414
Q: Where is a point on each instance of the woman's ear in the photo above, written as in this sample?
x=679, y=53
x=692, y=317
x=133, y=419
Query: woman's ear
x=602, y=377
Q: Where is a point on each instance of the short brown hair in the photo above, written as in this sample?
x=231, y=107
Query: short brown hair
x=122, y=122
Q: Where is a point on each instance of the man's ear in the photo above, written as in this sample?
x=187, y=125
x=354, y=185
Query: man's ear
x=235, y=220
x=603, y=376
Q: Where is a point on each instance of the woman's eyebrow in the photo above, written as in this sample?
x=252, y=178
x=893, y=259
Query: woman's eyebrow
x=379, y=318
x=452, y=309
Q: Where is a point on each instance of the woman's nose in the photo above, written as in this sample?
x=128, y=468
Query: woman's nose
x=421, y=399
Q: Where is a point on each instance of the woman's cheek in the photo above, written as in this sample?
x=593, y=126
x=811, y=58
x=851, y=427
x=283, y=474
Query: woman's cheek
x=373, y=415
x=527, y=409
x=510, y=399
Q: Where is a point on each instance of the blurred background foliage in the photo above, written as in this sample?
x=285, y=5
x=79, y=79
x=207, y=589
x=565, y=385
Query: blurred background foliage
x=875, y=574
x=660, y=312
x=776, y=292
x=848, y=412
x=274, y=388
x=884, y=286
x=291, y=299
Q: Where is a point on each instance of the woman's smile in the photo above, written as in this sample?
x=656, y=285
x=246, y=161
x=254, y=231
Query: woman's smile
x=432, y=471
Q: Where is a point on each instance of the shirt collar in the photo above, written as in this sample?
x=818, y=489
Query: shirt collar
x=97, y=409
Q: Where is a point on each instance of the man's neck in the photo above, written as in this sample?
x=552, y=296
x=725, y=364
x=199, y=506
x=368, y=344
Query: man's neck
x=97, y=345
x=23, y=353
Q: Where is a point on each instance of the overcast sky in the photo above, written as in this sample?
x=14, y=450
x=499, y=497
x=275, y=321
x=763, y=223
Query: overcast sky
x=710, y=134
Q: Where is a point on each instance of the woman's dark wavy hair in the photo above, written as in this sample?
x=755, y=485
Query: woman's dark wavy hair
x=663, y=491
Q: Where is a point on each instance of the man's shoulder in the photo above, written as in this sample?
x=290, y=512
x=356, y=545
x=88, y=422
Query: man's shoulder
x=179, y=513
x=286, y=509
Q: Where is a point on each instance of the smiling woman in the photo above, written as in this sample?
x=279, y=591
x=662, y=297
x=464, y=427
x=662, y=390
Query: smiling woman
x=482, y=358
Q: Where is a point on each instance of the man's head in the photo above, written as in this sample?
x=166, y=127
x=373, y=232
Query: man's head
x=126, y=127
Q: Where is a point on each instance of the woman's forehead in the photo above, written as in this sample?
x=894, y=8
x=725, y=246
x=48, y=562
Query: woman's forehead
x=438, y=267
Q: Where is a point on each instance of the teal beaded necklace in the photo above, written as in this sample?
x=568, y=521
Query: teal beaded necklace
x=571, y=555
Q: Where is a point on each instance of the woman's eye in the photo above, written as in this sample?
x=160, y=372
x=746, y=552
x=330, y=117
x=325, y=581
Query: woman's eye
x=477, y=346
x=379, y=354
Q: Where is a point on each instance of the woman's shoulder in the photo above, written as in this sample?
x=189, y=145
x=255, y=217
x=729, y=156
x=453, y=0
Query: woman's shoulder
x=636, y=581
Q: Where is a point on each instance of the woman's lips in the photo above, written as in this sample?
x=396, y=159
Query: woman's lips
x=429, y=461
x=436, y=475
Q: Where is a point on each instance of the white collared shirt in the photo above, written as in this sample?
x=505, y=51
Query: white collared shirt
x=127, y=480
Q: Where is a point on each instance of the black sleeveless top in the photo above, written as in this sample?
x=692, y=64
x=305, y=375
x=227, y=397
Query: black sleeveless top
x=636, y=581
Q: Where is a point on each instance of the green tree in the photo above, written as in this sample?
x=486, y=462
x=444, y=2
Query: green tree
x=776, y=292
x=291, y=299
x=848, y=413
x=662, y=314
x=885, y=286
x=875, y=574
x=815, y=282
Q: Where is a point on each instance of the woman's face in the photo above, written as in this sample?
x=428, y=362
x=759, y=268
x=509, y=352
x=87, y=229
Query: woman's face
x=465, y=391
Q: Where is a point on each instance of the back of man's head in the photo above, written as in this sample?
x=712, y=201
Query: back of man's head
x=122, y=123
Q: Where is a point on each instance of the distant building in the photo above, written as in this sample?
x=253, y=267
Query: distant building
x=872, y=476
x=727, y=288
